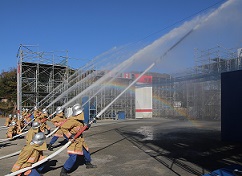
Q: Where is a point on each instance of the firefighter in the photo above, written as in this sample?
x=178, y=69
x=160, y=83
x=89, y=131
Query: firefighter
x=14, y=119
x=58, y=120
x=37, y=112
x=12, y=130
x=20, y=123
x=26, y=116
x=42, y=120
x=23, y=112
x=32, y=131
x=78, y=147
x=31, y=154
x=8, y=120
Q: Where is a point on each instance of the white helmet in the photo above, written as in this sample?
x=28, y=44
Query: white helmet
x=44, y=111
x=14, y=116
x=35, y=125
x=39, y=138
x=59, y=109
x=10, y=116
x=35, y=108
x=13, y=123
x=76, y=109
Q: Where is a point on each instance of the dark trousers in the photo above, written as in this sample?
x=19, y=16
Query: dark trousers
x=74, y=157
x=54, y=139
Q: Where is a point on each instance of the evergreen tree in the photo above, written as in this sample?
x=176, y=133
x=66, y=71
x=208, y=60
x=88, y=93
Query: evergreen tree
x=8, y=91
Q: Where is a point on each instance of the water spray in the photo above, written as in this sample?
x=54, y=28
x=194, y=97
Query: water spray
x=100, y=113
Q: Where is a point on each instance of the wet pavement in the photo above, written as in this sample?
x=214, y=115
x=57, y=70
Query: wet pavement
x=142, y=147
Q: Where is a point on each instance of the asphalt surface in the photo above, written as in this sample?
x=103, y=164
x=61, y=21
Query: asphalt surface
x=142, y=147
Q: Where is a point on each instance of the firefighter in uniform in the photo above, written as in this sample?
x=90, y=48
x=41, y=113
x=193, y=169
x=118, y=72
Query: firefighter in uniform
x=78, y=147
x=37, y=113
x=42, y=120
x=26, y=116
x=31, y=154
x=8, y=120
x=58, y=120
x=20, y=123
x=12, y=130
x=14, y=119
x=32, y=131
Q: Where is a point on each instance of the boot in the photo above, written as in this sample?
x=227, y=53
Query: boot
x=90, y=165
x=50, y=147
x=63, y=172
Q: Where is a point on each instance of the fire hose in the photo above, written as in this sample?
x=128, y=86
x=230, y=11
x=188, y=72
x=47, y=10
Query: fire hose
x=85, y=127
x=16, y=153
x=53, y=154
x=8, y=139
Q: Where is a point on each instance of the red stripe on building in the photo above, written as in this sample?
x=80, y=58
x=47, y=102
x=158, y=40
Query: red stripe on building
x=143, y=110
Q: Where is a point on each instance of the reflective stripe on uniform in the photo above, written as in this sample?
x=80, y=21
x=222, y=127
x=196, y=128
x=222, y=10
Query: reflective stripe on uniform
x=16, y=167
x=58, y=135
x=31, y=159
x=75, y=152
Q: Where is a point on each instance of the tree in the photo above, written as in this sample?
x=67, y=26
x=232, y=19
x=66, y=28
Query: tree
x=8, y=91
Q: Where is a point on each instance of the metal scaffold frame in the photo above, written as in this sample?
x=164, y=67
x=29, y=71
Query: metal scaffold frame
x=197, y=91
x=38, y=74
x=43, y=78
x=44, y=81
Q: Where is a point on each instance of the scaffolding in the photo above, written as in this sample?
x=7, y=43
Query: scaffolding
x=38, y=74
x=45, y=78
x=196, y=92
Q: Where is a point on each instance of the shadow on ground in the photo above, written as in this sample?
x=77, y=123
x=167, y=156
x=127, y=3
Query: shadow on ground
x=203, y=149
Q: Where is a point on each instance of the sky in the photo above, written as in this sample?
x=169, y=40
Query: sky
x=87, y=28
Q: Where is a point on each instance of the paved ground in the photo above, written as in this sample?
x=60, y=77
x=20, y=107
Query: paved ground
x=146, y=147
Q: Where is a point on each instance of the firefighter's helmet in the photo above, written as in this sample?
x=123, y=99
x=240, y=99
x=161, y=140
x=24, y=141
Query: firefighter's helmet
x=13, y=123
x=76, y=109
x=59, y=109
x=44, y=111
x=35, y=125
x=39, y=138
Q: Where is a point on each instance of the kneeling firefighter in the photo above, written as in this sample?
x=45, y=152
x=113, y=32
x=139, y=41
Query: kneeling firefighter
x=31, y=154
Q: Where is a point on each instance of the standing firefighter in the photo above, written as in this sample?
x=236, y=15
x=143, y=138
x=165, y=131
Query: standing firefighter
x=58, y=120
x=42, y=120
x=31, y=154
x=36, y=113
x=78, y=147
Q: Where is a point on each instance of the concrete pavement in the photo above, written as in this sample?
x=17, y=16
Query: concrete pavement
x=146, y=147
